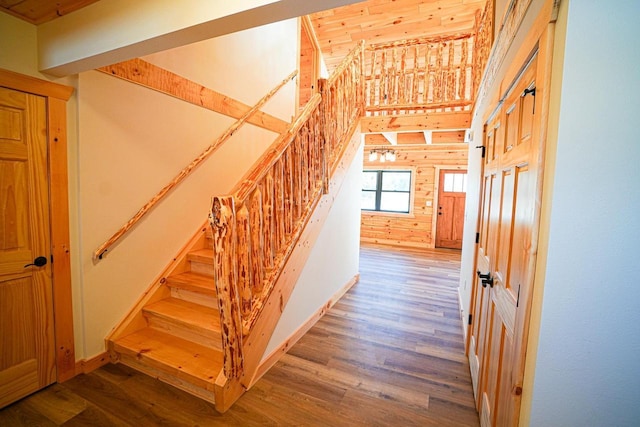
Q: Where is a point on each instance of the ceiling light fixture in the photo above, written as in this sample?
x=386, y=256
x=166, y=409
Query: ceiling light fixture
x=382, y=154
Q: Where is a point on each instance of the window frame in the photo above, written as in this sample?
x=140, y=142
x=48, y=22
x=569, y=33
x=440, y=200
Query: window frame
x=378, y=191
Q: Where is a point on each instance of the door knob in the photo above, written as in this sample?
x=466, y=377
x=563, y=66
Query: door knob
x=486, y=279
x=483, y=276
x=38, y=262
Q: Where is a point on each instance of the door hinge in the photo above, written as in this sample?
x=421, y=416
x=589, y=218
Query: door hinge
x=531, y=91
x=484, y=149
x=477, y=237
x=470, y=318
x=51, y=258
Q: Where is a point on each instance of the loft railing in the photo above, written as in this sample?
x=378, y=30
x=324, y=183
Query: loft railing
x=99, y=253
x=483, y=30
x=419, y=75
x=256, y=227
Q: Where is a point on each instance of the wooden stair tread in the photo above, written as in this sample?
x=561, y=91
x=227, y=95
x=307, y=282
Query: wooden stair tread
x=176, y=356
x=204, y=256
x=193, y=282
x=185, y=312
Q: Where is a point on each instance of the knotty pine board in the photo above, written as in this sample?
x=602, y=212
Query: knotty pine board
x=413, y=229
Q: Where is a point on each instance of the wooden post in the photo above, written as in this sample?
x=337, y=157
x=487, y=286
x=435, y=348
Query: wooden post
x=416, y=73
x=243, y=250
x=278, y=218
x=326, y=136
x=451, y=81
x=287, y=181
x=222, y=219
x=439, y=83
x=267, y=215
x=427, y=76
x=257, y=226
x=374, y=80
x=297, y=175
x=462, y=82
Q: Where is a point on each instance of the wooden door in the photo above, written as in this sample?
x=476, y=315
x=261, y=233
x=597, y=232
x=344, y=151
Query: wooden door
x=505, y=257
x=452, y=192
x=27, y=353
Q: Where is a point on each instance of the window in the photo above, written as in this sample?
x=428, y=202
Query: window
x=386, y=191
x=455, y=182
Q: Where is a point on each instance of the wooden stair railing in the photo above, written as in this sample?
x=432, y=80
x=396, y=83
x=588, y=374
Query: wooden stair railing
x=419, y=74
x=205, y=322
x=99, y=253
x=256, y=228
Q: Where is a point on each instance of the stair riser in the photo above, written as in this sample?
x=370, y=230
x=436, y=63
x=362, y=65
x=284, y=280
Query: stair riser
x=202, y=268
x=187, y=332
x=195, y=297
x=158, y=371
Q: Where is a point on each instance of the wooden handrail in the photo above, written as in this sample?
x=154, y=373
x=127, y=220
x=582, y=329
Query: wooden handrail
x=422, y=40
x=257, y=226
x=184, y=173
x=417, y=107
x=425, y=73
x=271, y=156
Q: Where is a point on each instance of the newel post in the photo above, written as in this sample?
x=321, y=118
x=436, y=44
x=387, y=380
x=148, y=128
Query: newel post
x=325, y=133
x=223, y=225
x=361, y=81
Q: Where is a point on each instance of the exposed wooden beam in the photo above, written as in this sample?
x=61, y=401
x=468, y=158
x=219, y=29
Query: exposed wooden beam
x=428, y=137
x=110, y=31
x=164, y=81
x=392, y=137
x=416, y=122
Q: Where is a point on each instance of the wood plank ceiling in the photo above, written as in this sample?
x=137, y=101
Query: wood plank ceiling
x=381, y=21
x=337, y=30
x=40, y=11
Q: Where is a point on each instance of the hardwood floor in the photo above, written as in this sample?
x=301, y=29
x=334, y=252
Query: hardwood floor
x=390, y=353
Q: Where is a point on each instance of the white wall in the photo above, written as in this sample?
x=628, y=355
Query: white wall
x=334, y=259
x=587, y=370
x=18, y=41
x=134, y=140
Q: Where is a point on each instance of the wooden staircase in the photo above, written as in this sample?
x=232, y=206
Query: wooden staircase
x=205, y=322
x=174, y=334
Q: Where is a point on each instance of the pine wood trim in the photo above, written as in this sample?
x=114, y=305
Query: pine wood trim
x=164, y=81
x=436, y=196
x=57, y=96
x=86, y=366
x=268, y=362
x=416, y=122
x=187, y=170
x=33, y=85
x=60, y=244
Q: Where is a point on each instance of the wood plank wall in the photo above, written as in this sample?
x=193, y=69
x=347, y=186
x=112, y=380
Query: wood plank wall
x=308, y=77
x=413, y=229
